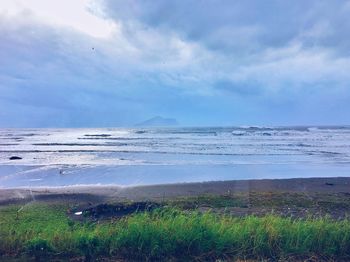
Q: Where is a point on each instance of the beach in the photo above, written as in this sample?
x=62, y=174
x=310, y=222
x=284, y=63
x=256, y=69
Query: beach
x=292, y=194
x=156, y=192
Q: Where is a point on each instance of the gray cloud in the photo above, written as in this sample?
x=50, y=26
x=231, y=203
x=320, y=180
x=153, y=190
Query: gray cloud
x=243, y=26
x=203, y=62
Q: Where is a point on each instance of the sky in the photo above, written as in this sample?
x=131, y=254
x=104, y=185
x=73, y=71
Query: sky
x=111, y=63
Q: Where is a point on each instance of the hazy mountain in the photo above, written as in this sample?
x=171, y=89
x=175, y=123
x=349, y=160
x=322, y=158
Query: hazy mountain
x=158, y=121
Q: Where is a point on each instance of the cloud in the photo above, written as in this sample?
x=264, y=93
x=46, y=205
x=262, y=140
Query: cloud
x=229, y=25
x=81, y=15
x=93, y=63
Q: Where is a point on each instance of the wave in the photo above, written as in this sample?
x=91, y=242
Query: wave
x=322, y=143
x=147, y=152
x=79, y=144
x=111, y=138
x=98, y=135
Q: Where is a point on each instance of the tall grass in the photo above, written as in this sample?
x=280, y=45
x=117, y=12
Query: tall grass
x=43, y=231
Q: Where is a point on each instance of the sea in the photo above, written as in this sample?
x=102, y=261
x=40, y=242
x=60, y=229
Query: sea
x=147, y=156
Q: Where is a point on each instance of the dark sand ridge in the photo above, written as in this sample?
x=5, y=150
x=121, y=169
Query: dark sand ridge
x=100, y=194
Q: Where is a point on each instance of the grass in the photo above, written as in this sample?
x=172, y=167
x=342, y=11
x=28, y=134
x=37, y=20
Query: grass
x=42, y=231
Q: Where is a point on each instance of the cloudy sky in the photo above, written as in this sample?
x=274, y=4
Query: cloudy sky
x=102, y=63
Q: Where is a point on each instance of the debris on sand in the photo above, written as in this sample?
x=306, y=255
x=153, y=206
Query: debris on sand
x=103, y=211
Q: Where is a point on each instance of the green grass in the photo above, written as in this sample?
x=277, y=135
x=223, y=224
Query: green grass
x=42, y=231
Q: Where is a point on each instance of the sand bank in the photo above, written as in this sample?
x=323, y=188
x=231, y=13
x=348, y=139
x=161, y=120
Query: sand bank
x=98, y=194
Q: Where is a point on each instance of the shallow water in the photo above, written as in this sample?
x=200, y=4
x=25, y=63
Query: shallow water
x=140, y=156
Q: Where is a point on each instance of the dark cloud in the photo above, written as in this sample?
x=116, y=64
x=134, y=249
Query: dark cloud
x=238, y=27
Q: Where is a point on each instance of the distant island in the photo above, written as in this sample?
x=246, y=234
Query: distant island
x=159, y=121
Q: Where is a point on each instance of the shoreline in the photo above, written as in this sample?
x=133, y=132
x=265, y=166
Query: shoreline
x=100, y=194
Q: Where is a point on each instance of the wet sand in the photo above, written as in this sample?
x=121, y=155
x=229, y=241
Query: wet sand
x=102, y=194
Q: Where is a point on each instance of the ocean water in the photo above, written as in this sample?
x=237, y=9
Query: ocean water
x=142, y=156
